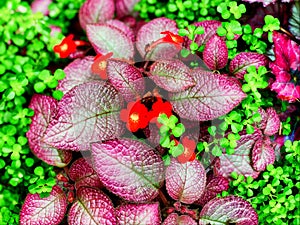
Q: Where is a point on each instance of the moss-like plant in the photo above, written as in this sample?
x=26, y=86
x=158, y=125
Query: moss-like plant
x=275, y=194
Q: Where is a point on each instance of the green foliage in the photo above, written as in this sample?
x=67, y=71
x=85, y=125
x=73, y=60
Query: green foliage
x=184, y=11
x=275, y=194
x=61, y=12
x=225, y=133
x=170, y=128
x=25, y=55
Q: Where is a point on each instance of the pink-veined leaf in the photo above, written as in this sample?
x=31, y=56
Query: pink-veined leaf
x=239, y=161
x=162, y=51
x=212, y=96
x=44, y=211
x=45, y=108
x=263, y=122
x=175, y=219
x=238, y=66
x=92, y=207
x=106, y=38
x=125, y=7
x=77, y=72
x=87, y=113
x=129, y=168
x=210, y=28
x=126, y=78
x=83, y=174
x=185, y=181
x=135, y=214
x=263, y=154
x=286, y=67
x=215, y=186
x=41, y=6
x=122, y=27
x=215, y=54
x=171, y=75
x=273, y=122
x=231, y=209
x=151, y=32
x=94, y=11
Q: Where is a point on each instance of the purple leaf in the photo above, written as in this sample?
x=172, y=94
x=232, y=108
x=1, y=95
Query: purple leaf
x=185, y=182
x=77, y=72
x=239, y=161
x=210, y=28
x=44, y=211
x=106, y=38
x=162, y=51
x=264, y=117
x=215, y=54
x=262, y=154
x=212, y=96
x=92, y=207
x=129, y=168
x=134, y=214
x=126, y=78
x=273, y=122
x=175, y=219
x=172, y=75
x=238, y=66
x=231, y=209
x=41, y=6
x=151, y=32
x=215, y=186
x=83, y=174
x=94, y=11
x=122, y=27
x=45, y=108
x=286, y=67
x=125, y=7
x=87, y=113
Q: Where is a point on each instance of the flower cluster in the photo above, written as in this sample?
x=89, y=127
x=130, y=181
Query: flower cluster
x=137, y=116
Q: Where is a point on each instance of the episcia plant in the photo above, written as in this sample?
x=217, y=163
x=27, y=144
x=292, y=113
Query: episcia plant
x=129, y=110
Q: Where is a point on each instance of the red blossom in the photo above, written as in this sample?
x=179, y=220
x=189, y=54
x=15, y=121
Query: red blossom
x=172, y=38
x=136, y=116
x=100, y=63
x=189, y=150
x=68, y=46
x=160, y=107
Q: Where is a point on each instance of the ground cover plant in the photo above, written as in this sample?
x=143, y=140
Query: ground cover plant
x=177, y=112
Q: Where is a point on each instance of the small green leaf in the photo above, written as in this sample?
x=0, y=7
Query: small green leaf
x=178, y=130
x=177, y=150
x=216, y=151
x=39, y=171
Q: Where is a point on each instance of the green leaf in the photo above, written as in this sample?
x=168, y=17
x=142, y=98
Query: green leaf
x=165, y=141
x=212, y=130
x=183, y=32
x=39, y=171
x=216, y=151
x=167, y=160
x=178, y=130
x=177, y=150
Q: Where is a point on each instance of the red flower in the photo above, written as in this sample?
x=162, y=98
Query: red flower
x=68, y=46
x=189, y=150
x=100, y=63
x=160, y=107
x=172, y=38
x=136, y=116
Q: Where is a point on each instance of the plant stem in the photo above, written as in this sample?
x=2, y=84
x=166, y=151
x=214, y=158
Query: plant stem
x=163, y=198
